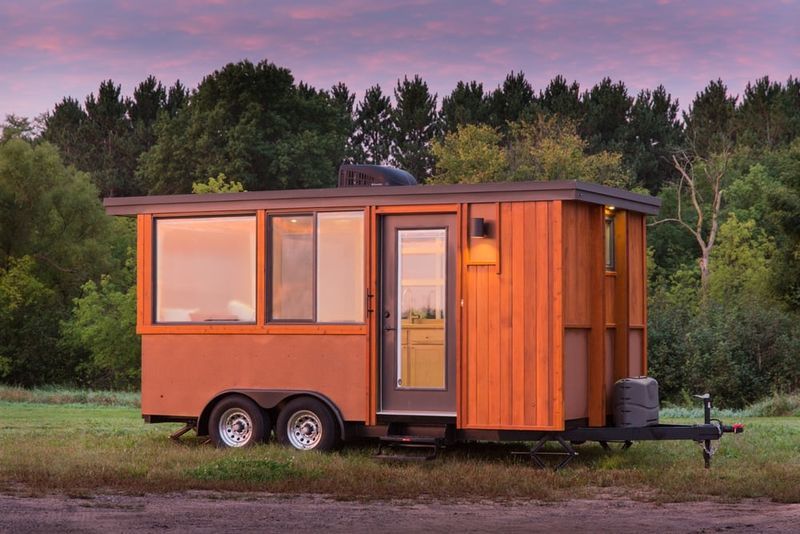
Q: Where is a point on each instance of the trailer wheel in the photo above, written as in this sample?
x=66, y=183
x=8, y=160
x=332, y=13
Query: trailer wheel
x=237, y=421
x=307, y=424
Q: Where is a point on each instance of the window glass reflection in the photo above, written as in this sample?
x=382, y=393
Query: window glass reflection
x=205, y=269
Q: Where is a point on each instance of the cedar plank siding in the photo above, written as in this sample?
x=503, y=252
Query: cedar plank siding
x=513, y=356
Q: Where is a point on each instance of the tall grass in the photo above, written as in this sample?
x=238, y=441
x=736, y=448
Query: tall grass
x=786, y=405
x=61, y=395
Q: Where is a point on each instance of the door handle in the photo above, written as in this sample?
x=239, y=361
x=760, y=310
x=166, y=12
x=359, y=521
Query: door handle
x=388, y=328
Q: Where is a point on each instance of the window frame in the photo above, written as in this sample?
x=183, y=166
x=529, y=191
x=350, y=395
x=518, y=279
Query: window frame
x=153, y=246
x=269, y=289
x=145, y=275
x=609, y=242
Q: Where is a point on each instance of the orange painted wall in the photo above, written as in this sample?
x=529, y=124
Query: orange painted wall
x=181, y=373
x=512, y=325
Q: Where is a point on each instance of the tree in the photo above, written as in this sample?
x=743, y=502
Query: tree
x=54, y=236
x=253, y=122
x=710, y=121
x=652, y=134
x=467, y=104
x=28, y=334
x=702, y=182
x=742, y=262
x=415, y=126
x=373, y=131
x=17, y=128
x=562, y=99
x=606, y=109
x=103, y=322
x=471, y=154
x=550, y=148
x=63, y=128
x=220, y=184
x=149, y=98
x=762, y=117
x=511, y=102
x=109, y=143
x=344, y=101
x=177, y=99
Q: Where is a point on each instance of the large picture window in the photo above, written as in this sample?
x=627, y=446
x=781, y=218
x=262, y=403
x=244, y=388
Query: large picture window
x=205, y=270
x=317, y=266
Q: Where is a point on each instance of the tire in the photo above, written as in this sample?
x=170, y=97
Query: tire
x=307, y=424
x=237, y=421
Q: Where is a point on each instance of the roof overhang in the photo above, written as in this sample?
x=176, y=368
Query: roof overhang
x=384, y=196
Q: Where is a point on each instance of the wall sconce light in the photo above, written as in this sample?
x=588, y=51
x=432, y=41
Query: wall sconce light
x=477, y=227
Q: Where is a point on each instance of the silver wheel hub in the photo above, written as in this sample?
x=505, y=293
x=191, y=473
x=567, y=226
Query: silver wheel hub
x=235, y=428
x=304, y=430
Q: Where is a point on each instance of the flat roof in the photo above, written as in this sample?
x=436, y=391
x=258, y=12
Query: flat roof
x=346, y=197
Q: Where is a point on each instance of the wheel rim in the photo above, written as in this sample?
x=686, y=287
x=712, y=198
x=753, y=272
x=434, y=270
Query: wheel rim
x=235, y=427
x=304, y=430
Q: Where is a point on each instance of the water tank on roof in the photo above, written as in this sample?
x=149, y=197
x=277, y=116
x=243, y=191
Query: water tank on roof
x=368, y=175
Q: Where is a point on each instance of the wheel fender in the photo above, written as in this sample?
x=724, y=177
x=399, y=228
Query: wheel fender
x=267, y=399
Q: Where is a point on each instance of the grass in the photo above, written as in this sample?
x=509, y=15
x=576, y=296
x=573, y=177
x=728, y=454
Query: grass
x=82, y=449
x=61, y=395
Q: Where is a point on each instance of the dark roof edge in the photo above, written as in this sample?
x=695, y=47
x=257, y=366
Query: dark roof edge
x=387, y=195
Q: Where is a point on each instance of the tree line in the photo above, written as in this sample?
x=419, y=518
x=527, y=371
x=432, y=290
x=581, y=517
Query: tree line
x=725, y=251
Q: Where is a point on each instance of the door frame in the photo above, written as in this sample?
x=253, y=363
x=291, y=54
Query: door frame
x=376, y=214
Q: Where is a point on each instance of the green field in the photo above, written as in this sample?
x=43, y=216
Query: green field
x=84, y=449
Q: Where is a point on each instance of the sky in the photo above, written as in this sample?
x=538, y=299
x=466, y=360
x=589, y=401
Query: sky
x=50, y=49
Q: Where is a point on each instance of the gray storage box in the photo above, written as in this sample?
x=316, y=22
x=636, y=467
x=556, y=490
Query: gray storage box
x=636, y=402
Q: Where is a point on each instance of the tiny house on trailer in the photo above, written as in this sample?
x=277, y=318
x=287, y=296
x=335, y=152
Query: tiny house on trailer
x=487, y=311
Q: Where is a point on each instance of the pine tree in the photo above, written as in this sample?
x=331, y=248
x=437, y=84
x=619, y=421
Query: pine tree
x=512, y=101
x=710, y=120
x=374, y=129
x=416, y=124
x=563, y=99
x=467, y=104
x=606, y=106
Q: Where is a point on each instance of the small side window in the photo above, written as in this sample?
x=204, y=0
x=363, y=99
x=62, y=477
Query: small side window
x=611, y=262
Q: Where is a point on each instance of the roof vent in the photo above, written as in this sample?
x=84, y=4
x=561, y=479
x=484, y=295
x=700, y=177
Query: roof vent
x=369, y=175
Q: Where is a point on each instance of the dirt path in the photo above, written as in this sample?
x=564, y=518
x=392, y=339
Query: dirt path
x=207, y=512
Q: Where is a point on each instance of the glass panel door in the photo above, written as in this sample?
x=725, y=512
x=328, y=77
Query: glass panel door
x=417, y=303
x=421, y=294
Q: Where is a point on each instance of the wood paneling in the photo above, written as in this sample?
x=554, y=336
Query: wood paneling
x=637, y=296
x=484, y=250
x=576, y=373
x=513, y=336
x=636, y=278
x=578, y=258
x=584, y=290
x=621, y=312
x=610, y=289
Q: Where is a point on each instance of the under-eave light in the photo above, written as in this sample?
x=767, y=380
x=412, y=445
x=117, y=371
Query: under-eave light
x=477, y=227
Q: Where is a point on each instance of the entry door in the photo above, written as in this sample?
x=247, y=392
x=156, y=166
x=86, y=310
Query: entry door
x=418, y=371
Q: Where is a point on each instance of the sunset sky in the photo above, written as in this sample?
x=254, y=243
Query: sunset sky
x=53, y=48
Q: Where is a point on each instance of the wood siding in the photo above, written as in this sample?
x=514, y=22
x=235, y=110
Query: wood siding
x=626, y=300
x=584, y=311
x=512, y=357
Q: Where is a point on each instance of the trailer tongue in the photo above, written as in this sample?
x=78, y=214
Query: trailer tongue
x=704, y=434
